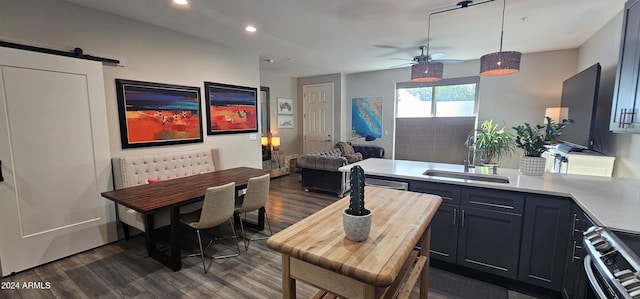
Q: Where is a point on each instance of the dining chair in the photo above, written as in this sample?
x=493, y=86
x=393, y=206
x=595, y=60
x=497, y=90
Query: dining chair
x=255, y=197
x=218, y=207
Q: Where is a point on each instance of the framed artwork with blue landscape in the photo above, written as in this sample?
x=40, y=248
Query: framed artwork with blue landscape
x=366, y=116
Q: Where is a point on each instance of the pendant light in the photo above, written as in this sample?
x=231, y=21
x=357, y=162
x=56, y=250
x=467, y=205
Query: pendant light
x=425, y=70
x=500, y=63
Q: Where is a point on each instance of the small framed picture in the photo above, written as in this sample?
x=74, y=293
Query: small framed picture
x=285, y=122
x=285, y=106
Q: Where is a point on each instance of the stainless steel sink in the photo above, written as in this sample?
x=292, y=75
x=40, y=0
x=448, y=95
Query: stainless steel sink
x=467, y=176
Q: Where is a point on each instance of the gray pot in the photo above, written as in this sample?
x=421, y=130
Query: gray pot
x=532, y=165
x=356, y=228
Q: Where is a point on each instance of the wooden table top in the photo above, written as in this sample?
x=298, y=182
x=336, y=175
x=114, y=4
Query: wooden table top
x=148, y=198
x=399, y=219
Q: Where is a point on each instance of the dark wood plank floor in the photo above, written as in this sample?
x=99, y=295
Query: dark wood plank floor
x=123, y=269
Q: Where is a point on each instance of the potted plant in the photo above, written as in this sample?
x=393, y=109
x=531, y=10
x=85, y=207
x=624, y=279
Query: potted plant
x=356, y=220
x=533, y=141
x=497, y=143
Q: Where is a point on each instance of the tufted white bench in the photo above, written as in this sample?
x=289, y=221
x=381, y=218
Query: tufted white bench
x=136, y=170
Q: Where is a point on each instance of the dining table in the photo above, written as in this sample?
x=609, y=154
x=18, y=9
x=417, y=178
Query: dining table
x=149, y=199
x=315, y=250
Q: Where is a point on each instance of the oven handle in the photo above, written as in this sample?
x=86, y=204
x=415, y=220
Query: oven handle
x=592, y=278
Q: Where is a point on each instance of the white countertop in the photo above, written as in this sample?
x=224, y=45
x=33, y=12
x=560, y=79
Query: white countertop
x=611, y=202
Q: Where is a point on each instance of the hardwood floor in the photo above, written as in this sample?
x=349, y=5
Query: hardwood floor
x=123, y=269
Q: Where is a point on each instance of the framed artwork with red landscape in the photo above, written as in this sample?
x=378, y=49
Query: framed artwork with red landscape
x=153, y=114
x=231, y=109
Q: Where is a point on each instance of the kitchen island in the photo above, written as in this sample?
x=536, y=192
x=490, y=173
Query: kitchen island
x=610, y=202
x=316, y=251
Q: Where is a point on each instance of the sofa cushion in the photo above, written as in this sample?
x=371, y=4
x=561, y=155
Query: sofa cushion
x=347, y=151
x=369, y=151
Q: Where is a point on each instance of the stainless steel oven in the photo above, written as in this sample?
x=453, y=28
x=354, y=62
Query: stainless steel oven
x=613, y=269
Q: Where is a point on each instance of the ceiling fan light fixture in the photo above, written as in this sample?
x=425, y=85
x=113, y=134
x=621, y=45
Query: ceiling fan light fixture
x=426, y=71
x=500, y=63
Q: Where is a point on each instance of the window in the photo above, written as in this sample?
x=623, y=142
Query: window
x=448, y=97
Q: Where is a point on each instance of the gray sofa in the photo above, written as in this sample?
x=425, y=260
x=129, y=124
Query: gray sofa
x=320, y=169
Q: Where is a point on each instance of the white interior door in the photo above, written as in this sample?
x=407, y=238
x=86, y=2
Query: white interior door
x=54, y=149
x=318, y=117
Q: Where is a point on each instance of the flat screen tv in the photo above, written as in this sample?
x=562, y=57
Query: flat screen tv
x=580, y=95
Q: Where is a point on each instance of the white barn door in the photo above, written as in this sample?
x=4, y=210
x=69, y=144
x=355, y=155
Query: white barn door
x=54, y=150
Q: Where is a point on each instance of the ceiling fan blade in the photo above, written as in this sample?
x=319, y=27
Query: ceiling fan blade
x=449, y=61
x=400, y=65
x=407, y=59
x=436, y=56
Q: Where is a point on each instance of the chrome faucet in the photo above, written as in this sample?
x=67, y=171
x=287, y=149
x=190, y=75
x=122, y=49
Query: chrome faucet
x=469, y=162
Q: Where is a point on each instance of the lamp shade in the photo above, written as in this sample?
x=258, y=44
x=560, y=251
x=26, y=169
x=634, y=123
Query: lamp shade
x=275, y=142
x=500, y=63
x=264, y=140
x=426, y=71
x=557, y=114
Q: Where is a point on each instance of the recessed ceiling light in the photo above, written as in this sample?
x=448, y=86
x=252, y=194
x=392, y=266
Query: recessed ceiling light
x=180, y=2
x=250, y=28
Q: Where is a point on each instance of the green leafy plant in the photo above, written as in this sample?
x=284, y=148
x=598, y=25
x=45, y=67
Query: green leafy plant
x=532, y=139
x=498, y=143
x=356, y=202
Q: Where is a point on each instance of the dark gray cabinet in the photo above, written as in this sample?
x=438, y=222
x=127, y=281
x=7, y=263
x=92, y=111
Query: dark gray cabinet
x=625, y=109
x=444, y=225
x=489, y=238
x=544, y=241
x=489, y=241
x=475, y=227
x=575, y=283
x=444, y=233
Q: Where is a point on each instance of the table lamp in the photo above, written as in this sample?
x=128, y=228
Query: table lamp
x=275, y=142
x=557, y=114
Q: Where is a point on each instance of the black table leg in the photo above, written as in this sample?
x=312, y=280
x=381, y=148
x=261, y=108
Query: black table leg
x=175, y=239
x=173, y=260
x=148, y=234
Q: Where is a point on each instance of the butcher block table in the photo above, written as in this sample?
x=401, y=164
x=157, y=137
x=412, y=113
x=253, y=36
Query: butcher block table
x=316, y=251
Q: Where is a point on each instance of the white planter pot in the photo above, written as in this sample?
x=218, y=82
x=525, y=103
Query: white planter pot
x=532, y=165
x=356, y=228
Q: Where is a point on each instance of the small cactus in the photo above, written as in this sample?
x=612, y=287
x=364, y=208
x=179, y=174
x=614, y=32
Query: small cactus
x=356, y=202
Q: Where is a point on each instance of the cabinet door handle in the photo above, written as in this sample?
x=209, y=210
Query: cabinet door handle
x=455, y=213
x=1, y=177
x=573, y=230
x=493, y=205
x=462, y=220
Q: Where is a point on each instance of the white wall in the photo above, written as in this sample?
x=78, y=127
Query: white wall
x=149, y=53
x=604, y=47
x=512, y=99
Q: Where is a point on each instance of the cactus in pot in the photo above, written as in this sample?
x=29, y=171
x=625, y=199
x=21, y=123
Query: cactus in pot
x=356, y=219
x=356, y=202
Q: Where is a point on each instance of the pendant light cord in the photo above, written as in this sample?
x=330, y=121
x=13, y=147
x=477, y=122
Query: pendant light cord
x=428, y=35
x=504, y=5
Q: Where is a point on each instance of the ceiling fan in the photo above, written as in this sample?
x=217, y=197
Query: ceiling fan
x=435, y=57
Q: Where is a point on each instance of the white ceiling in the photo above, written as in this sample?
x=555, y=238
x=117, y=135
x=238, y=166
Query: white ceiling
x=307, y=37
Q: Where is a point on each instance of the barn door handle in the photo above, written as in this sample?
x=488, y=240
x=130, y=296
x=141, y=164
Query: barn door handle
x=1, y=178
